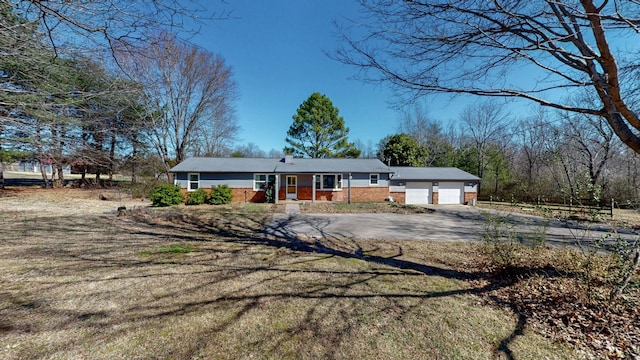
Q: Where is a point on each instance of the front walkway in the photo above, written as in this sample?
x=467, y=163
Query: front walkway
x=292, y=208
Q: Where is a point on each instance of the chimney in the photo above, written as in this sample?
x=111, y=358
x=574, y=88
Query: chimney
x=288, y=159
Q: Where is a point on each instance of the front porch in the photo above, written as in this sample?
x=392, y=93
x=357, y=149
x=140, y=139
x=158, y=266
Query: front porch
x=309, y=187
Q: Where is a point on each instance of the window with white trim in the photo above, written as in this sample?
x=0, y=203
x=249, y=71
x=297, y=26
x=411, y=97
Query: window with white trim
x=194, y=181
x=373, y=179
x=261, y=181
x=329, y=182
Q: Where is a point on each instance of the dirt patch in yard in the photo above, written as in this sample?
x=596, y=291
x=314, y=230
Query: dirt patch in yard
x=68, y=201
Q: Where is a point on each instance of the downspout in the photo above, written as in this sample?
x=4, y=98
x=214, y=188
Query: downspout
x=313, y=188
x=349, y=189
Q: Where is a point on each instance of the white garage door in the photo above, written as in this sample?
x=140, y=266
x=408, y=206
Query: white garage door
x=450, y=193
x=417, y=193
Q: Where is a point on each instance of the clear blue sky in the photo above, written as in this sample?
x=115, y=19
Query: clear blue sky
x=277, y=50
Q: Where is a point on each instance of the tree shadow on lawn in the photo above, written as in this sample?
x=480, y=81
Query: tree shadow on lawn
x=246, y=230
x=281, y=233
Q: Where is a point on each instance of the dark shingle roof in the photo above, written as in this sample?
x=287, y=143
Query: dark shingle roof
x=209, y=164
x=431, y=174
x=301, y=166
x=262, y=165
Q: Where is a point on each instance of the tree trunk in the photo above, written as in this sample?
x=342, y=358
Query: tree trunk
x=1, y=176
x=60, y=173
x=134, y=162
x=43, y=171
x=112, y=157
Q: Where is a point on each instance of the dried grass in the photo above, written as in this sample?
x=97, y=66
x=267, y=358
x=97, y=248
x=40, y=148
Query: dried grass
x=79, y=283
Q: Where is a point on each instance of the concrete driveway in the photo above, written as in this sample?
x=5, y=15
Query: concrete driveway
x=447, y=223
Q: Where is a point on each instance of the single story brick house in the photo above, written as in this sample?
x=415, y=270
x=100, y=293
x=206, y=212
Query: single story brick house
x=340, y=180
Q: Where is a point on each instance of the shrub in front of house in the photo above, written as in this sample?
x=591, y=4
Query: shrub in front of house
x=220, y=194
x=166, y=195
x=198, y=197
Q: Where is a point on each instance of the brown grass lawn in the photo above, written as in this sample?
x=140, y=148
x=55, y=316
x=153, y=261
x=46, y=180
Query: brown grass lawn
x=196, y=282
x=621, y=217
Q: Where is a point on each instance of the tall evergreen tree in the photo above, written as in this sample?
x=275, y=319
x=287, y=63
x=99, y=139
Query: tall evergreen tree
x=318, y=131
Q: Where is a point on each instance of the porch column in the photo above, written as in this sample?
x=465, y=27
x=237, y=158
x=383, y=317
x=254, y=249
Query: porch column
x=276, y=189
x=313, y=188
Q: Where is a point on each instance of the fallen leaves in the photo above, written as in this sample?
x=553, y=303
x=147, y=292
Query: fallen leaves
x=558, y=308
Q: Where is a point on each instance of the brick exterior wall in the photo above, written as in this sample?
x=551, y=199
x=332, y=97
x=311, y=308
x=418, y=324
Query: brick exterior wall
x=328, y=195
x=398, y=197
x=359, y=194
x=304, y=193
x=251, y=195
x=186, y=194
x=468, y=196
x=238, y=195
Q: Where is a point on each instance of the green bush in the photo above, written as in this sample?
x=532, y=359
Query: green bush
x=166, y=195
x=197, y=197
x=220, y=194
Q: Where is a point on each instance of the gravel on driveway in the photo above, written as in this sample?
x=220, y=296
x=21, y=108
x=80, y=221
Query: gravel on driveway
x=447, y=223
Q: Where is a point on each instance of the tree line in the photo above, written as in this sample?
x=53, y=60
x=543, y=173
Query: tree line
x=132, y=95
x=546, y=155
x=577, y=59
x=102, y=87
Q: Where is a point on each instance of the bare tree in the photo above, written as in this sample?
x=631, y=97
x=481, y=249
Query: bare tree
x=189, y=92
x=484, y=125
x=429, y=134
x=216, y=137
x=37, y=37
x=476, y=47
x=587, y=150
x=249, y=150
x=368, y=150
x=275, y=153
x=101, y=24
x=624, y=170
x=532, y=135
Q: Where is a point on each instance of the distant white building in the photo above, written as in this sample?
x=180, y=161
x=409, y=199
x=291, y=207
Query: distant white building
x=33, y=166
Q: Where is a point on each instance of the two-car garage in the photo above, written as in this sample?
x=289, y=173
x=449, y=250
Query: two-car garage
x=423, y=185
x=421, y=192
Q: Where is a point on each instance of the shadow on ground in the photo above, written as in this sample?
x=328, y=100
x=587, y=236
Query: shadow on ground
x=64, y=254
